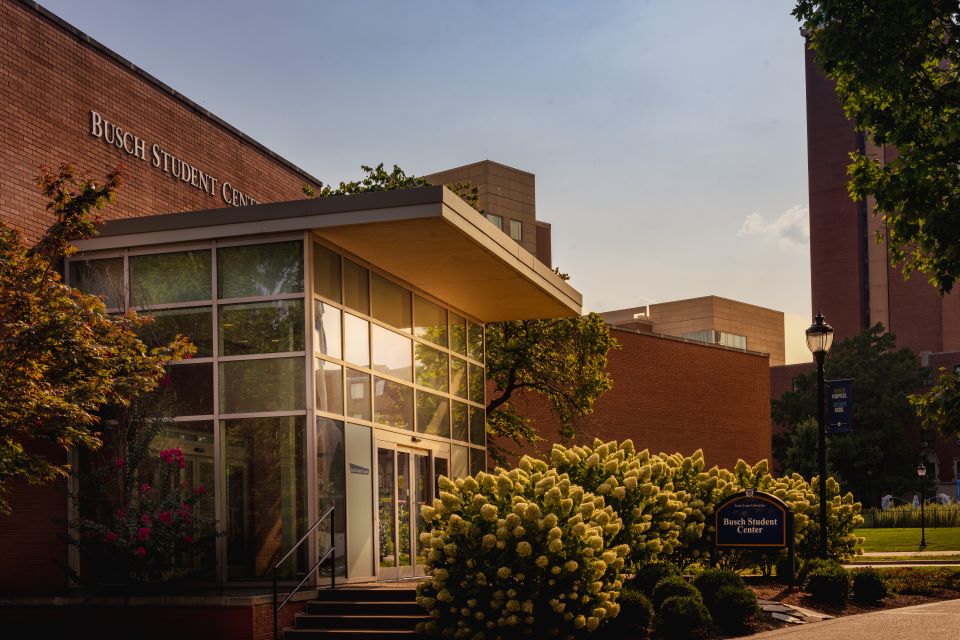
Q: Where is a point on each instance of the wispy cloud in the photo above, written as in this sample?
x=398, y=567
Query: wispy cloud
x=790, y=230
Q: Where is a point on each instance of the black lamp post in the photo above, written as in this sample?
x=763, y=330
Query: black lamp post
x=819, y=340
x=921, y=472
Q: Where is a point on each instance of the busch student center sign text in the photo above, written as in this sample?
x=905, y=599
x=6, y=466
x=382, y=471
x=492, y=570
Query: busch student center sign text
x=161, y=159
x=752, y=519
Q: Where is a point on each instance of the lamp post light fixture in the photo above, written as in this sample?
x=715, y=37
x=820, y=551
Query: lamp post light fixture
x=819, y=341
x=921, y=472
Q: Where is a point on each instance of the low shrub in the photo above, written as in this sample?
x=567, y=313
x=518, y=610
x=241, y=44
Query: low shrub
x=868, y=586
x=673, y=586
x=828, y=583
x=635, y=618
x=733, y=606
x=921, y=581
x=649, y=575
x=682, y=617
x=709, y=582
x=782, y=569
x=807, y=566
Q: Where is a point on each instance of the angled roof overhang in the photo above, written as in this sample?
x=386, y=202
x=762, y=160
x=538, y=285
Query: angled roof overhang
x=428, y=237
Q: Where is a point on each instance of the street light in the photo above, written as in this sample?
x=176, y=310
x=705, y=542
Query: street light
x=922, y=471
x=819, y=340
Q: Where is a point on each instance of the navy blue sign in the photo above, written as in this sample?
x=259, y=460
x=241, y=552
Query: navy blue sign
x=751, y=519
x=840, y=404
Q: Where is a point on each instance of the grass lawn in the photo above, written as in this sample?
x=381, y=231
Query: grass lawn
x=940, y=539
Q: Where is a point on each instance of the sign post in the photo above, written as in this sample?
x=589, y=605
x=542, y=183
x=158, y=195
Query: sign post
x=754, y=520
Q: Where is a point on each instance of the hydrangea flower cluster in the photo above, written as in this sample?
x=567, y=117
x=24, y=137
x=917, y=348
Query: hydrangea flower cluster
x=520, y=551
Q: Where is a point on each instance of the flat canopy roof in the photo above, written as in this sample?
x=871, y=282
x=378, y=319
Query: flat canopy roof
x=427, y=236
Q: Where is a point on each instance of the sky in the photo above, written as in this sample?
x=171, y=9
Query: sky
x=668, y=138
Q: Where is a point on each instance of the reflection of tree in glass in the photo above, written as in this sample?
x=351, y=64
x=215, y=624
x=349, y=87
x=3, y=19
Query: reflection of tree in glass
x=331, y=490
x=195, y=323
x=433, y=414
x=431, y=367
x=261, y=327
x=271, y=384
x=101, y=278
x=393, y=404
x=260, y=270
x=162, y=278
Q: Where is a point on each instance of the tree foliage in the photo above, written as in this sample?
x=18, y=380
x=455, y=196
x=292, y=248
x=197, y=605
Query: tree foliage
x=939, y=408
x=61, y=357
x=895, y=68
x=562, y=360
x=876, y=458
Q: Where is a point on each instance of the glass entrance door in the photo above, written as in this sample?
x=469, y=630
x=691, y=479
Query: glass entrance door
x=404, y=484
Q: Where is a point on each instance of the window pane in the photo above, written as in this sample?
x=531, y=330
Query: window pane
x=516, y=230
x=356, y=288
x=326, y=273
x=478, y=461
x=358, y=395
x=326, y=330
x=392, y=403
x=331, y=491
x=192, y=388
x=476, y=384
x=432, y=365
x=329, y=387
x=433, y=414
x=170, y=277
x=459, y=462
x=272, y=384
x=196, y=323
x=260, y=269
x=101, y=278
x=458, y=334
x=430, y=320
x=478, y=427
x=461, y=421
x=495, y=219
x=265, y=494
x=391, y=353
x=261, y=327
x=390, y=302
x=458, y=377
x=475, y=339
x=356, y=340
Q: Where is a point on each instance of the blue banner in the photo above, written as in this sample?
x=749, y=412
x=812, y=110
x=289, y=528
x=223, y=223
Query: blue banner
x=840, y=406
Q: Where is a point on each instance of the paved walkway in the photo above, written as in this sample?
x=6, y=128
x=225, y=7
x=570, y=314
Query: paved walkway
x=908, y=554
x=935, y=619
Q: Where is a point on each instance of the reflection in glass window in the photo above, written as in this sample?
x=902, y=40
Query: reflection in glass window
x=271, y=384
x=331, y=490
x=329, y=385
x=475, y=341
x=101, y=278
x=265, y=494
x=392, y=403
x=461, y=421
x=163, y=278
x=458, y=377
x=196, y=323
x=192, y=388
x=459, y=462
x=478, y=426
x=430, y=321
x=495, y=219
x=516, y=230
x=476, y=385
x=326, y=330
x=260, y=269
x=356, y=287
x=478, y=461
x=433, y=414
x=391, y=353
x=432, y=365
x=390, y=302
x=458, y=334
x=326, y=273
x=358, y=395
x=261, y=327
x=356, y=340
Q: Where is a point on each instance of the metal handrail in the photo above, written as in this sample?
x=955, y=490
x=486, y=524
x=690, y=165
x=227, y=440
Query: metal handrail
x=333, y=574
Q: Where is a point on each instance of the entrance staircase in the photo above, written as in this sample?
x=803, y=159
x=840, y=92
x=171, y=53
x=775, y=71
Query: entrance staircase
x=354, y=612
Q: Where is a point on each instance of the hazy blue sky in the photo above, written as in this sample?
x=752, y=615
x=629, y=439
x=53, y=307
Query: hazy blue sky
x=668, y=138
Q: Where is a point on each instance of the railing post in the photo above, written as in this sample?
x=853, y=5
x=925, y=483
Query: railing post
x=276, y=609
x=333, y=558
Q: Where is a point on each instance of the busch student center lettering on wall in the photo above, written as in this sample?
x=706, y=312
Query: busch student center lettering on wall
x=160, y=158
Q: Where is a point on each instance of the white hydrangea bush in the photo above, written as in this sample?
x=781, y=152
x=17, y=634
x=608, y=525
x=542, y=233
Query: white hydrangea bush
x=519, y=552
x=639, y=486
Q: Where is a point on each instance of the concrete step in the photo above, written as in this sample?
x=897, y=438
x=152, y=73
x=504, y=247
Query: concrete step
x=349, y=634
x=367, y=595
x=362, y=621
x=384, y=607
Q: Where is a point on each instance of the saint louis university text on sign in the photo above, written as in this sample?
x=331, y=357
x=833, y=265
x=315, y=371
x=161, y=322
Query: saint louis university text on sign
x=752, y=519
x=160, y=158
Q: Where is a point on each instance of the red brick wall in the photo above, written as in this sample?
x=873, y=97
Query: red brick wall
x=50, y=80
x=672, y=395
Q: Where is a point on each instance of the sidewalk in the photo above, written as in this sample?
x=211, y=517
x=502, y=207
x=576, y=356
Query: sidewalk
x=935, y=619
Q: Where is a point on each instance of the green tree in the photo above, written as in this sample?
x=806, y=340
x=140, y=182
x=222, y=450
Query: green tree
x=562, y=360
x=895, y=67
x=876, y=458
x=62, y=358
x=801, y=449
x=939, y=408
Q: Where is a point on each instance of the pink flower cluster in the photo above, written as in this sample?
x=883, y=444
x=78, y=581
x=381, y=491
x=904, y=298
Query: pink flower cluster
x=173, y=456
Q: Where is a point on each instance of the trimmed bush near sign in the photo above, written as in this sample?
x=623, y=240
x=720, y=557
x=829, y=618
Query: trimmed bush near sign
x=828, y=583
x=868, y=586
x=682, y=617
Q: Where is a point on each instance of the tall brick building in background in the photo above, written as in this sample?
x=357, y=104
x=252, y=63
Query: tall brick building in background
x=852, y=280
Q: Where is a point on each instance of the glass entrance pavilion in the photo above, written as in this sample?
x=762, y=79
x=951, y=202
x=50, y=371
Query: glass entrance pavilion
x=339, y=361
